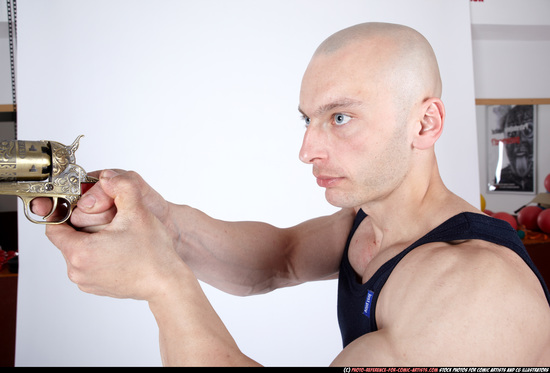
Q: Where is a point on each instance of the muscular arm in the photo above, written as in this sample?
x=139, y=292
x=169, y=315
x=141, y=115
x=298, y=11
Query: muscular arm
x=138, y=253
x=246, y=258
x=240, y=258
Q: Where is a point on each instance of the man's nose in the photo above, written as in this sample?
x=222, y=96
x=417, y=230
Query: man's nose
x=314, y=145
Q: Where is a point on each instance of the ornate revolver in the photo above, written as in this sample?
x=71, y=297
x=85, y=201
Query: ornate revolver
x=31, y=169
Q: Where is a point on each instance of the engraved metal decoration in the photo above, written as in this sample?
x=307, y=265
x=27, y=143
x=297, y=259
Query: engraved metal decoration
x=31, y=169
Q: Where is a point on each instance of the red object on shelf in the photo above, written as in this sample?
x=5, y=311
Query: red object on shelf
x=506, y=217
x=543, y=221
x=527, y=216
x=5, y=256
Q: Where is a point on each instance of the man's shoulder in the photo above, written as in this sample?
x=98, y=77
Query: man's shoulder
x=467, y=261
x=473, y=275
x=473, y=293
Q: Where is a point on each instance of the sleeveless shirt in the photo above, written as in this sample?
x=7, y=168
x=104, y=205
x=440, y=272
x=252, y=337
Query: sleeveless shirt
x=357, y=302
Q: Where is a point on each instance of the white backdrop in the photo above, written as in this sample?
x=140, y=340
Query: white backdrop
x=201, y=98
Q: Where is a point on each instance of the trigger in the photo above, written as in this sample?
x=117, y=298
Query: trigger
x=54, y=199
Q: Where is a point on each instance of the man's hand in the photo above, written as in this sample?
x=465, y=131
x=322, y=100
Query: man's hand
x=132, y=254
x=95, y=209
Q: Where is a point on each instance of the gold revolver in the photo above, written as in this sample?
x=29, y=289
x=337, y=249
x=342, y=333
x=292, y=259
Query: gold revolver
x=31, y=169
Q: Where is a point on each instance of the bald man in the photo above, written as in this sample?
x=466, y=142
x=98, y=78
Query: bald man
x=424, y=277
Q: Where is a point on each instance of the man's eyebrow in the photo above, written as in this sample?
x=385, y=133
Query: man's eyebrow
x=336, y=104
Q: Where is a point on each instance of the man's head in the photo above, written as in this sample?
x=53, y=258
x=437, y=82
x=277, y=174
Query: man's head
x=371, y=99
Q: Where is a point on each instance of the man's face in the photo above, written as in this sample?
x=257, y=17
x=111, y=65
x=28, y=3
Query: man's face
x=355, y=139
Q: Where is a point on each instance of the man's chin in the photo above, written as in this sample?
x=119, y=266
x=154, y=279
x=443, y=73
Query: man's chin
x=338, y=200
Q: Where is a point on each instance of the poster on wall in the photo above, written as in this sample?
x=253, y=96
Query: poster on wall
x=511, y=148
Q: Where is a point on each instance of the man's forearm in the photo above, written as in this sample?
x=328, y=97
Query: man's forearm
x=240, y=258
x=245, y=258
x=190, y=331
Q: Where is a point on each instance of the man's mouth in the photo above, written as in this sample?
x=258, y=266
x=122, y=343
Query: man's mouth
x=328, y=181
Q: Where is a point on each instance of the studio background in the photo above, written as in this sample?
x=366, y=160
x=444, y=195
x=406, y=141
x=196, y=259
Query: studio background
x=201, y=99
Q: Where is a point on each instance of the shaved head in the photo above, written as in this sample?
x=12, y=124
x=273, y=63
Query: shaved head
x=403, y=59
x=370, y=100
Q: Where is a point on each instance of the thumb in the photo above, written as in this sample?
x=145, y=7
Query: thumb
x=125, y=188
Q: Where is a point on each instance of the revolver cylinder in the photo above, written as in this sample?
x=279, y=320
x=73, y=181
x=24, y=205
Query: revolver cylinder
x=25, y=160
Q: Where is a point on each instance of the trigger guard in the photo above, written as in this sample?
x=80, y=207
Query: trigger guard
x=26, y=205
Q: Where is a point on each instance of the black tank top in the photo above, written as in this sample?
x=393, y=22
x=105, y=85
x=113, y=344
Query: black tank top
x=357, y=302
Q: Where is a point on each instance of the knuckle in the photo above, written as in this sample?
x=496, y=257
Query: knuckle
x=126, y=179
x=74, y=275
x=133, y=178
x=79, y=258
x=75, y=260
x=133, y=184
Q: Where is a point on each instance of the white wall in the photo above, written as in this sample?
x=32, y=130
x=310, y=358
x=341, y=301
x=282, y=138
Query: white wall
x=511, y=50
x=201, y=98
x=510, y=12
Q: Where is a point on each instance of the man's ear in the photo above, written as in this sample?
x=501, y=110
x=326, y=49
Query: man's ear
x=432, y=117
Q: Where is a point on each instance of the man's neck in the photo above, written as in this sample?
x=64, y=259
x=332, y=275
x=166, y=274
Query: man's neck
x=412, y=211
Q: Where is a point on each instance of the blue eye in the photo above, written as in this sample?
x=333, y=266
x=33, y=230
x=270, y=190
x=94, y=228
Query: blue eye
x=340, y=119
x=306, y=120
